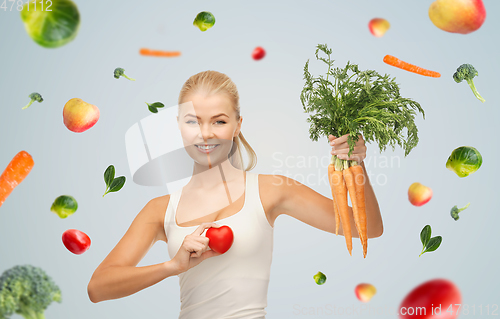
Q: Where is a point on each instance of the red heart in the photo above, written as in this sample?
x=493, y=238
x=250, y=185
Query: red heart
x=220, y=239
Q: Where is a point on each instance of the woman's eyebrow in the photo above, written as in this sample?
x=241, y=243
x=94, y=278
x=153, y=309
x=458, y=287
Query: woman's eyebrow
x=189, y=114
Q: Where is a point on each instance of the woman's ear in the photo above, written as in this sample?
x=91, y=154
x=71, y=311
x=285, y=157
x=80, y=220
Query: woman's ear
x=238, y=128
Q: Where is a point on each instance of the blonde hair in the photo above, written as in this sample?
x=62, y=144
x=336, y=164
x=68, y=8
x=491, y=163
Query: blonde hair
x=212, y=82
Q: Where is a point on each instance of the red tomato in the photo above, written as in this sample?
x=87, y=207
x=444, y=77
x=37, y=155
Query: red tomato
x=438, y=298
x=76, y=241
x=258, y=53
x=220, y=239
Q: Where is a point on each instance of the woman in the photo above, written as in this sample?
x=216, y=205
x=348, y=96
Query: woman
x=220, y=192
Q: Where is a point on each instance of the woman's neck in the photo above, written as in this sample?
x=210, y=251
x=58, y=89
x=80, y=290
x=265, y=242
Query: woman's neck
x=209, y=178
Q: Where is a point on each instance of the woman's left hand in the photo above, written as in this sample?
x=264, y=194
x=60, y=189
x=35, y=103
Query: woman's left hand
x=341, y=148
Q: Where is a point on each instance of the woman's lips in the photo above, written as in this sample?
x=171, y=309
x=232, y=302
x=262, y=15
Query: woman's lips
x=206, y=151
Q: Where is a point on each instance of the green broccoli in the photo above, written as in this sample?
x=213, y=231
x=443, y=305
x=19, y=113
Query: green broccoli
x=34, y=97
x=121, y=72
x=467, y=72
x=26, y=290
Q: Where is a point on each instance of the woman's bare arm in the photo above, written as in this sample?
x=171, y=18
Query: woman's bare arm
x=305, y=204
x=117, y=276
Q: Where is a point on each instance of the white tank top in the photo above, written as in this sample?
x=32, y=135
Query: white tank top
x=234, y=284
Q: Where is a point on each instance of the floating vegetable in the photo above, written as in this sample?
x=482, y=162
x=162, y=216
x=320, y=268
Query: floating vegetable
x=27, y=290
x=464, y=161
x=356, y=103
x=364, y=292
x=64, y=206
x=319, y=278
x=204, y=20
x=76, y=241
x=454, y=211
x=112, y=184
x=120, y=72
x=17, y=170
x=159, y=53
x=53, y=27
x=467, y=72
x=258, y=53
x=34, y=97
x=153, y=107
x=391, y=60
x=430, y=244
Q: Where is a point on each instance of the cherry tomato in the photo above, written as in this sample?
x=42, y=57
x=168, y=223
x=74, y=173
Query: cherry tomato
x=438, y=298
x=258, y=53
x=76, y=241
x=220, y=239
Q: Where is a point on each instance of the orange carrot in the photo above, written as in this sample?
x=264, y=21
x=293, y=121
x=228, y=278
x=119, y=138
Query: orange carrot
x=144, y=51
x=349, y=181
x=331, y=169
x=18, y=168
x=359, y=183
x=389, y=59
x=340, y=195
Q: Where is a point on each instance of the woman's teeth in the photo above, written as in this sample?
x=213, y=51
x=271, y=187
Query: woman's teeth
x=203, y=147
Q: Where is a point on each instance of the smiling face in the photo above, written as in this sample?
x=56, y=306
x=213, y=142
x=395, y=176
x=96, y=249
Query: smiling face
x=208, y=125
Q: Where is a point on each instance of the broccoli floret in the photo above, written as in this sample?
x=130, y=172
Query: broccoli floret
x=455, y=210
x=120, y=72
x=26, y=290
x=467, y=72
x=34, y=97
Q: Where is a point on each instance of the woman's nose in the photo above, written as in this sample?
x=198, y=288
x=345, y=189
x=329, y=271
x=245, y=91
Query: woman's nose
x=206, y=131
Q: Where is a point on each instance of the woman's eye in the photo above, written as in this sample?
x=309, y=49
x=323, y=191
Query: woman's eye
x=191, y=122
x=222, y=122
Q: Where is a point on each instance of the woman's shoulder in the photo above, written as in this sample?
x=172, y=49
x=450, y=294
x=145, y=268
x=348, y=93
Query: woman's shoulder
x=271, y=182
x=271, y=190
x=157, y=207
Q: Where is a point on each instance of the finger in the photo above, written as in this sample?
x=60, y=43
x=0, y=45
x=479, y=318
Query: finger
x=331, y=137
x=204, y=226
x=354, y=157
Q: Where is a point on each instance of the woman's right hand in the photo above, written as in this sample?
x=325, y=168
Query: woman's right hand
x=194, y=249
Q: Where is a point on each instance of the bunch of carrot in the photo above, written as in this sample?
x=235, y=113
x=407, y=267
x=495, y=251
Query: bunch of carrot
x=345, y=178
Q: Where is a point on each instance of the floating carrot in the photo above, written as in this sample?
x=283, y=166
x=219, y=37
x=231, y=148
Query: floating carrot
x=389, y=59
x=331, y=169
x=359, y=184
x=349, y=181
x=18, y=168
x=159, y=53
x=340, y=195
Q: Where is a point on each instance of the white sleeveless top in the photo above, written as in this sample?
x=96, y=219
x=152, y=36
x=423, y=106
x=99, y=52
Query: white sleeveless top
x=234, y=284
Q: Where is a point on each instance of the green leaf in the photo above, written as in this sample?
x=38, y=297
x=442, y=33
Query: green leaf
x=157, y=104
x=433, y=244
x=117, y=184
x=425, y=235
x=152, y=108
x=109, y=175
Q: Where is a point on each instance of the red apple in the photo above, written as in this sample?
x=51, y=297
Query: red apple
x=378, y=26
x=437, y=298
x=457, y=16
x=258, y=53
x=365, y=292
x=79, y=116
x=419, y=194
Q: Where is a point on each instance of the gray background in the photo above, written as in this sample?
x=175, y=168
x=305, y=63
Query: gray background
x=110, y=36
